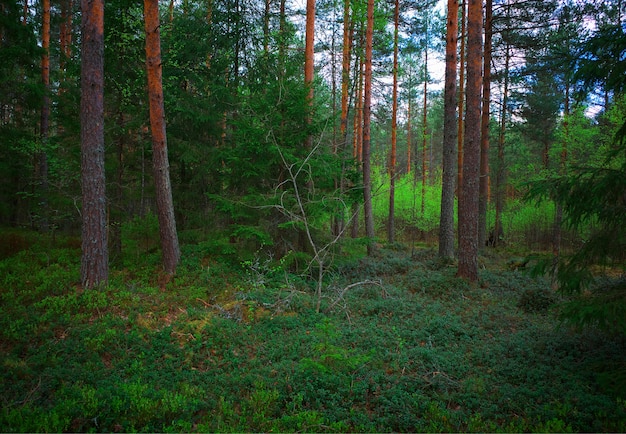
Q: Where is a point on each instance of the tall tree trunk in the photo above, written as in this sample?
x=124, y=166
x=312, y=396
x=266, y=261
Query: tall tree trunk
x=468, y=201
x=483, y=196
x=409, y=144
x=501, y=173
x=357, y=141
x=282, y=44
x=115, y=208
x=65, y=45
x=65, y=34
x=367, y=107
x=209, y=22
x=309, y=61
x=345, y=69
x=461, y=102
x=165, y=203
x=45, y=114
x=95, y=255
x=357, y=136
x=266, y=27
x=424, y=128
x=25, y=12
x=394, y=127
x=446, y=223
x=345, y=85
x=358, y=118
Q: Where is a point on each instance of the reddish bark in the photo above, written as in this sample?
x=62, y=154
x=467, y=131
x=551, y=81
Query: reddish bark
x=424, y=128
x=165, y=204
x=345, y=68
x=65, y=32
x=483, y=196
x=468, y=201
x=461, y=101
x=394, y=127
x=367, y=107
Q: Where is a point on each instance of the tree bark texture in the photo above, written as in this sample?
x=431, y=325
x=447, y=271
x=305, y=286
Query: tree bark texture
x=391, y=229
x=65, y=33
x=483, y=197
x=309, y=60
x=501, y=170
x=468, y=201
x=409, y=140
x=357, y=135
x=449, y=161
x=367, y=107
x=345, y=69
x=461, y=101
x=424, y=128
x=357, y=143
x=95, y=255
x=45, y=113
x=165, y=203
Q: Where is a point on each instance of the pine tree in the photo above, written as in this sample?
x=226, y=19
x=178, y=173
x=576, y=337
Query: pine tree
x=446, y=223
x=394, y=127
x=367, y=107
x=468, y=200
x=95, y=255
x=165, y=203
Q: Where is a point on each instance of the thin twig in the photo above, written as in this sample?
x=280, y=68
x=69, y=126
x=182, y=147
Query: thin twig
x=352, y=285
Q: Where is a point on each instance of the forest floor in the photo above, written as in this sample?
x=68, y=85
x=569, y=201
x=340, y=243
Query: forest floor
x=400, y=344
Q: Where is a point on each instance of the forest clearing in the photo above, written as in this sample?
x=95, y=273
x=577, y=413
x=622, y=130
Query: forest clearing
x=232, y=347
x=284, y=216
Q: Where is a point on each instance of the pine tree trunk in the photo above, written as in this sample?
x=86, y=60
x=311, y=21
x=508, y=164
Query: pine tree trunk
x=446, y=224
x=309, y=61
x=501, y=171
x=483, y=197
x=345, y=85
x=45, y=114
x=65, y=34
x=424, y=129
x=95, y=255
x=65, y=45
x=25, y=12
x=345, y=69
x=394, y=128
x=409, y=139
x=165, y=203
x=358, y=118
x=461, y=101
x=367, y=106
x=357, y=140
x=266, y=27
x=468, y=201
x=282, y=44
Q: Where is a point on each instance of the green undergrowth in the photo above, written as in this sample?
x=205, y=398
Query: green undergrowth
x=400, y=345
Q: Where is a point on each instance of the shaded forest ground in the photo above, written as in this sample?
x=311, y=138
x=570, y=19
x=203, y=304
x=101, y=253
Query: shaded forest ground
x=236, y=345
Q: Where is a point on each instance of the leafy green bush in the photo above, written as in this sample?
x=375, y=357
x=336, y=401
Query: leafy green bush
x=537, y=300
